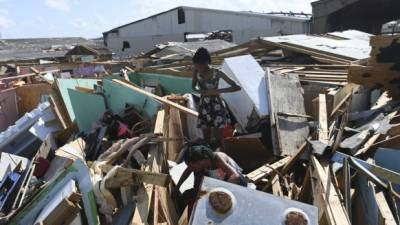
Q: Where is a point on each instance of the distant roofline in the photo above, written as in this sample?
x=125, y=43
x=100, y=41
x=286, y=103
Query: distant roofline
x=215, y=10
x=40, y=38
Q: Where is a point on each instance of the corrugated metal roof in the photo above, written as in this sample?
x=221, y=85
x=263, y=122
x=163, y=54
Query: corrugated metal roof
x=352, y=43
x=247, y=13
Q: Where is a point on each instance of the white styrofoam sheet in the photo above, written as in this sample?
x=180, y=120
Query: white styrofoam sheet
x=251, y=77
x=355, y=46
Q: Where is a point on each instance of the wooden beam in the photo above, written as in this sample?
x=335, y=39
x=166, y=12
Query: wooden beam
x=335, y=211
x=385, y=214
x=266, y=169
x=276, y=186
x=338, y=106
x=38, y=73
x=373, y=139
x=27, y=75
x=323, y=132
x=158, y=98
x=125, y=177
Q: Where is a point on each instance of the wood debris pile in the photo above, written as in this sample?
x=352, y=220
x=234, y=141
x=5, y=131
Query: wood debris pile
x=317, y=128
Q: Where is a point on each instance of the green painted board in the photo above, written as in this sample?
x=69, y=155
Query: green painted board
x=170, y=84
x=65, y=84
x=118, y=96
x=87, y=108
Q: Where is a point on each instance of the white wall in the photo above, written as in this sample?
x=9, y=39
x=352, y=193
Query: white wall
x=143, y=35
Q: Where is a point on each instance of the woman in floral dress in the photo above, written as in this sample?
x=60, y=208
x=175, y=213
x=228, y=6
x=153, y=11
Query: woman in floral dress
x=213, y=115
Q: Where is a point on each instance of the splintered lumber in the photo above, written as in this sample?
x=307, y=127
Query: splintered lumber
x=334, y=210
x=286, y=97
x=184, y=219
x=27, y=75
x=125, y=177
x=276, y=186
x=385, y=214
x=266, y=170
x=323, y=133
x=145, y=191
x=371, y=141
x=174, y=131
x=156, y=164
x=158, y=98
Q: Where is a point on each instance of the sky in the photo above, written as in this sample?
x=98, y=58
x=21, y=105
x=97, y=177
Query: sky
x=90, y=18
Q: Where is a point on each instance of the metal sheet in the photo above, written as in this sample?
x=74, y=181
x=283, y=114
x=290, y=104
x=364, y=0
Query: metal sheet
x=355, y=44
x=250, y=207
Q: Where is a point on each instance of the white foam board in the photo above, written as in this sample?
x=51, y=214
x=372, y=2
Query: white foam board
x=251, y=77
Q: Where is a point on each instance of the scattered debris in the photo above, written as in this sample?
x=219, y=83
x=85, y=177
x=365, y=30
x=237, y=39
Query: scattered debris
x=315, y=129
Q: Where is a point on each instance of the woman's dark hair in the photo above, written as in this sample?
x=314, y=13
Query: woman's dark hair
x=196, y=153
x=202, y=56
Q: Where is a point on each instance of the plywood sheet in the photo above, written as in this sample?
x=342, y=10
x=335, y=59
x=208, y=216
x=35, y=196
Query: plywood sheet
x=286, y=96
x=8, y=108
x=30, y=95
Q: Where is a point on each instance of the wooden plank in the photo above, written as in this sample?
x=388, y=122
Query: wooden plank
x=373, y=139
x=27, y=75
x=332, y=73
x=276, y=186
x=311, y=65
x=256, y=175
x=167, y=206
x=305, y=192
x=347, y=187
x=158, y=98
x=146, y=192
x=30, y=95
x=175, y=131
x=330, y=61
x=343, y=123
x=385, y=214
x=125, y=177
x=286, y=96
x=143, y=199
x=334, y=209
x=184, y=219
x=323, y=133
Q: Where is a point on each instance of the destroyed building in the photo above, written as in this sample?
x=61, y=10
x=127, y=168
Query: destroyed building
x=36, y=49
x=175, y=24
x=314, y=129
